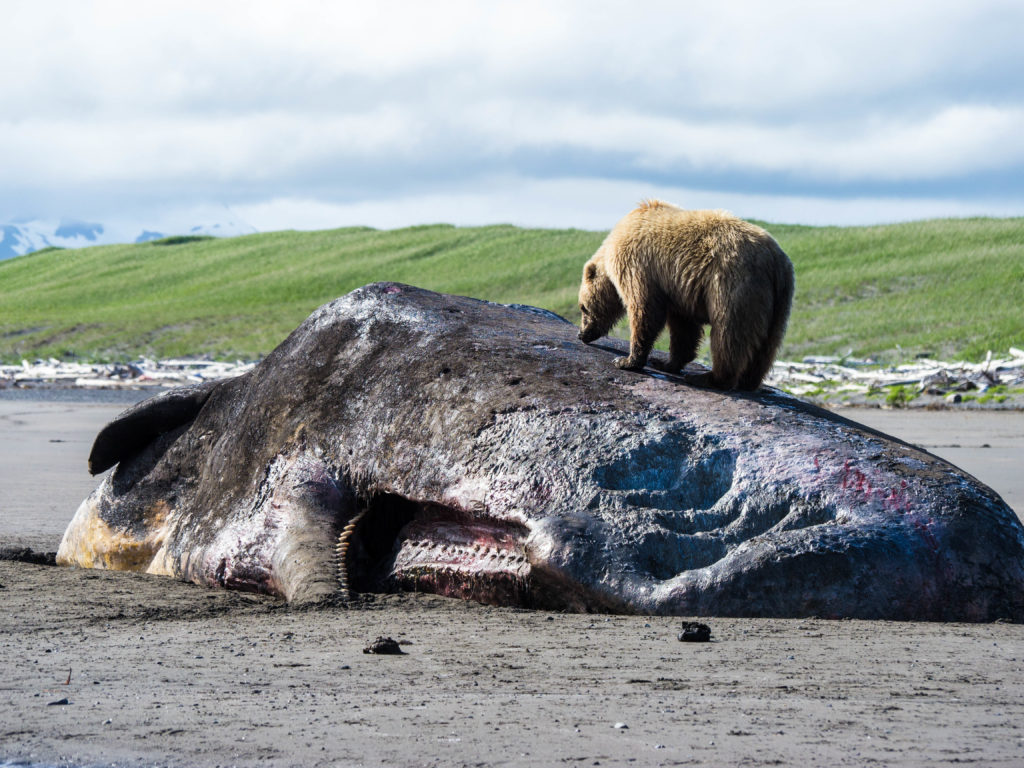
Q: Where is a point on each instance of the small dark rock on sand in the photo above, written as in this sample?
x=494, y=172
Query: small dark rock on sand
x=26, y=555
x=383, y=645
x=695, y=632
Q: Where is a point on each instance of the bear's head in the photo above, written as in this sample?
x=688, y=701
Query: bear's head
x=600, y=304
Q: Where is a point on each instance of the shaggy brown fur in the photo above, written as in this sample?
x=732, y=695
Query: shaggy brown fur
x=665, y=265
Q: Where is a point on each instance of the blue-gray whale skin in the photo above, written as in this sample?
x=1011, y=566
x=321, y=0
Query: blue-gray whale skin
x=481, y=451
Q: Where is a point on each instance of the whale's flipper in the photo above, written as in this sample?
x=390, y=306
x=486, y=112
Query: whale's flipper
x=138, y=426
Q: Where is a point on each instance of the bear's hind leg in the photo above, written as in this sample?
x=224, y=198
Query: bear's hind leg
x=645, y=323
x=763, y=354
x=730, y=353
x=757, y=369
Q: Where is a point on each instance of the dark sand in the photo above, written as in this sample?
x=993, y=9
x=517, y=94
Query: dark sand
x=165, y=673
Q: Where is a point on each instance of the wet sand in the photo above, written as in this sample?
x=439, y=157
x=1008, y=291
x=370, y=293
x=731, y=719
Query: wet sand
x=165, y=673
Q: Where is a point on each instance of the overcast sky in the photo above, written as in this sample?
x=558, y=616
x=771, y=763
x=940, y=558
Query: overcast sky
x=321, y=114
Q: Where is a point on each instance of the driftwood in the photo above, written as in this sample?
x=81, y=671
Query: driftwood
x=140, y=374
x=932, y=377
x=813, y=375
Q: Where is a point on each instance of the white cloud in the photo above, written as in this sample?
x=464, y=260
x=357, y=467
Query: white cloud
x=233, y=147
x=956, y=140
x=595, y=205
x=266, y=146
x=332, y=102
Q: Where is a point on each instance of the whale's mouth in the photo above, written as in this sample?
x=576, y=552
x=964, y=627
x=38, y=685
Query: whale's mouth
x=402, y=545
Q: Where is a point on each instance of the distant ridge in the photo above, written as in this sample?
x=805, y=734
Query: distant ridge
x=947, y=289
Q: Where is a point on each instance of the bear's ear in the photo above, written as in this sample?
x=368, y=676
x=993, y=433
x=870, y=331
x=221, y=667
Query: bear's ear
x=590, y=273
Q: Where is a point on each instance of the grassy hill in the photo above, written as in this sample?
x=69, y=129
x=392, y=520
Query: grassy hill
x=953, y=288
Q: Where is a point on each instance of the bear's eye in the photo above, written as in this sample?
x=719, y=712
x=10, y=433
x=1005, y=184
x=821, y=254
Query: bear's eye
x=583, y=309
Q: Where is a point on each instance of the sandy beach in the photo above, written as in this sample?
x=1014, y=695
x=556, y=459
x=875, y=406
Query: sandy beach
x=130, y=670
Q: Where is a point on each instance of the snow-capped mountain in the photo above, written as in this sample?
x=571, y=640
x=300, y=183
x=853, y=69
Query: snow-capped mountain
x=229, y=228
x=20, y=237
x=16, y=240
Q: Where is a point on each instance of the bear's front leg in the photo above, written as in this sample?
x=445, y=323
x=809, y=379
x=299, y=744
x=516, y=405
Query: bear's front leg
x=645, y=323
x=629, y=363
x=685, y=336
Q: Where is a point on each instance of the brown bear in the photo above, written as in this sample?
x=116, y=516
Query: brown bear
x=663, y=264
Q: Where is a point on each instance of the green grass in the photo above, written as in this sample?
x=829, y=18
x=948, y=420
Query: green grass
x=899, y=396
x=952, y=288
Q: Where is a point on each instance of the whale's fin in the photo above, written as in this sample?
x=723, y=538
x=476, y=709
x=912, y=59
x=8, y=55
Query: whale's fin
x=138, y=426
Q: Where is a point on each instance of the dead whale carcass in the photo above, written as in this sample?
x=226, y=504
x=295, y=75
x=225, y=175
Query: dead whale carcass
x=478, y=450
